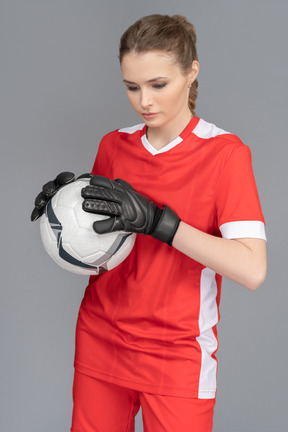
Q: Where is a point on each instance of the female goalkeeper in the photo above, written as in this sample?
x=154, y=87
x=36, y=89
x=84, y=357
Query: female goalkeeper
x=146, y=333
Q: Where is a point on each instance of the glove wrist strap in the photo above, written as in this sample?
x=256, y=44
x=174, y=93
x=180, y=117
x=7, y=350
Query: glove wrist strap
x=167, y=226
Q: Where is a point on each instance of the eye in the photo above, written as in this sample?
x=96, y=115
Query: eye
x=159, y=85
x=132, y=88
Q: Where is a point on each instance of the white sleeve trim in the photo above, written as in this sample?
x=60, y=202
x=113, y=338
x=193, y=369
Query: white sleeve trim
x=243, y=229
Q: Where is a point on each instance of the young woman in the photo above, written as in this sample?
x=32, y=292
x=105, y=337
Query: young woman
x=146, y=333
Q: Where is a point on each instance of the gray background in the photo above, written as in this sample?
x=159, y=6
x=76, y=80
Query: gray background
x=61, y=91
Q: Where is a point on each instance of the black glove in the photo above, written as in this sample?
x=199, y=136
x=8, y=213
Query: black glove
x=48, y=191
x=128, y=210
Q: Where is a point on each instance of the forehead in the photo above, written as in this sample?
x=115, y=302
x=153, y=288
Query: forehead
x=145, y=66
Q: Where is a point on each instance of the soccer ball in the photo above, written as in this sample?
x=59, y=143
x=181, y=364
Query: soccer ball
x=68, y=237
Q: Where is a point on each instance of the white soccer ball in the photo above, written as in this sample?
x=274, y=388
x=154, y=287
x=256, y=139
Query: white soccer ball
x=68, y=237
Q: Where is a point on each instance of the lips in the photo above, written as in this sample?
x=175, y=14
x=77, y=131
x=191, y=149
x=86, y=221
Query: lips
x=149, y=115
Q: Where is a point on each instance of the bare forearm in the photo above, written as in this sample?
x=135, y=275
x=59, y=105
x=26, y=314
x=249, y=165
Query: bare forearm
x=241, y=260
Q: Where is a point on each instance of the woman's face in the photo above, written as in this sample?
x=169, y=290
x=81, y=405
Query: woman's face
x=157, y=89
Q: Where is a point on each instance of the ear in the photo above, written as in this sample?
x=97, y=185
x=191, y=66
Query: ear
x=194, y=71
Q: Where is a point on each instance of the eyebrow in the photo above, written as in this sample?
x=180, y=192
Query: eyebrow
x=149, y=81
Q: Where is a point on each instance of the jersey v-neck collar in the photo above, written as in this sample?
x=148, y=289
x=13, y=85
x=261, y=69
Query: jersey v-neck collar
x=187, y=131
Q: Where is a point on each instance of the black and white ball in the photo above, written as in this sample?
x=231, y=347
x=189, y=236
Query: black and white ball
x=68, y=237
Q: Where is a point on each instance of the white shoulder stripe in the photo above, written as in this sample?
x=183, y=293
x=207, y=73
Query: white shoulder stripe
x=207, y=130
x=132, y=129
x=243, y=229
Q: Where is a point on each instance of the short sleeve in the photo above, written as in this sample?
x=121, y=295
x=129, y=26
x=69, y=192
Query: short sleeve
x=105, y=154
x=238, y=206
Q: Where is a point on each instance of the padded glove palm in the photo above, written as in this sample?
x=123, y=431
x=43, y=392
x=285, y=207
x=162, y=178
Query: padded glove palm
x=128, y=210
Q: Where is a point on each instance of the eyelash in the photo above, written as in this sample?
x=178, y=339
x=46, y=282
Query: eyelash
x=132, y=89
x=156, y=86
x=160, y=85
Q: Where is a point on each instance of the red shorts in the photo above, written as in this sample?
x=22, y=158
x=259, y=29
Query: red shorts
x=104, y=407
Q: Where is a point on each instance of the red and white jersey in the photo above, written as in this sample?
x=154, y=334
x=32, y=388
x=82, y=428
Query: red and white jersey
x=150, y=323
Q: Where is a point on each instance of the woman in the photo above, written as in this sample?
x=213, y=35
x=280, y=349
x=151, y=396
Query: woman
x=146, y=333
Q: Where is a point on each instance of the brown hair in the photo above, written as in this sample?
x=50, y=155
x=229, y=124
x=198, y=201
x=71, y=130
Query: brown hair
x=174, y=34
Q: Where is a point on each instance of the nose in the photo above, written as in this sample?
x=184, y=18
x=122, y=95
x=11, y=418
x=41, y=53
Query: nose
x=145, y=98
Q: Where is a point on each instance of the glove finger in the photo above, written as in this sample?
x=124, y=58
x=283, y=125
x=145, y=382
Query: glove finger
x=41, y=200
x=49, y=189
x=86, y=175
x=124, y=184
x=99, y=193
x=64, y=178
x=36, y=214
x=40, y=203
x=107, y=225
x=101, y=207
x=101, y=181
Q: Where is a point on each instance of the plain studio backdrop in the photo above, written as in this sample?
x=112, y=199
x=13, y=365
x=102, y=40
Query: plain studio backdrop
x=61, y=91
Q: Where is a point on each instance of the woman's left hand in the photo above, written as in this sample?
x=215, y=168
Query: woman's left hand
x=128, y=210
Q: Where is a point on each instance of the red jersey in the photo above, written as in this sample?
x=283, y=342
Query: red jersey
x=150, y=323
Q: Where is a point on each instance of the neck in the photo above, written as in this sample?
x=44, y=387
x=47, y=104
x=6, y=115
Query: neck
x=159, y=137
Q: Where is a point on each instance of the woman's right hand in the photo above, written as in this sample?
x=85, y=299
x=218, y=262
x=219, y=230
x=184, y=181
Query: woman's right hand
x=48, y=191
